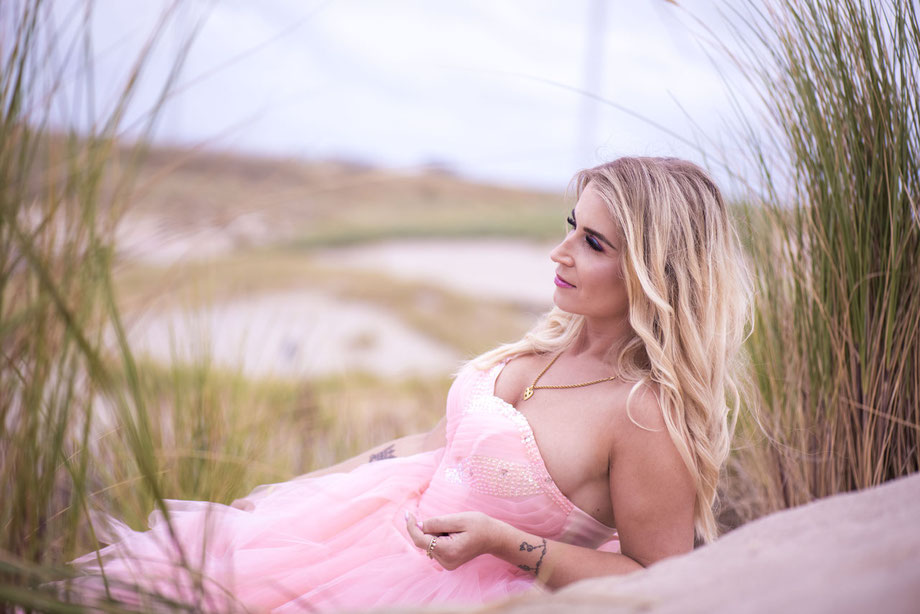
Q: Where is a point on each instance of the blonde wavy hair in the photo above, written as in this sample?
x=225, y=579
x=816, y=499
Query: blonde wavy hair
x=689, y=292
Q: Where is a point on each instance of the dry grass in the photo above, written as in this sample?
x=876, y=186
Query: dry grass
x=217, y=434
x=836, y=348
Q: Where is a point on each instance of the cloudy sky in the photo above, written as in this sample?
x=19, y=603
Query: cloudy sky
x=491, y=90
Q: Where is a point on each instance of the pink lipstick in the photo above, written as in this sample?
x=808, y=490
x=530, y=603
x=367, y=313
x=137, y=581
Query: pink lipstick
x=562, y=283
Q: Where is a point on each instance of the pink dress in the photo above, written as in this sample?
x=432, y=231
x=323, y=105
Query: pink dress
x=339, y=542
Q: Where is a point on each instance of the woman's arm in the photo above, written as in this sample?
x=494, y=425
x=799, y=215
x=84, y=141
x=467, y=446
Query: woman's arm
x=463, y=536
x=652, y=495
x=557, y=564
x=404, y=446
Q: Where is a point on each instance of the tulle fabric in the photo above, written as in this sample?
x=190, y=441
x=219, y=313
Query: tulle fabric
x=339, y=542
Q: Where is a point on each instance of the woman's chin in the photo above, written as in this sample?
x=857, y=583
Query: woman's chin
x=556, y=300
x=560, y=301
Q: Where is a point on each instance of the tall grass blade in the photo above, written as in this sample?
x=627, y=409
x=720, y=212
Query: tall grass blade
x=836, y=244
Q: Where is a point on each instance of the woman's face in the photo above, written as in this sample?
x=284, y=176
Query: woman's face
x=589, y=278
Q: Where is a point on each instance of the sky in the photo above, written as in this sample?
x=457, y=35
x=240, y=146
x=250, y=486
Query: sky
x=509, y=92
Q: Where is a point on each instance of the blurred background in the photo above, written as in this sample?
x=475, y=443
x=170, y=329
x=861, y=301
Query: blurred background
x=412, y=132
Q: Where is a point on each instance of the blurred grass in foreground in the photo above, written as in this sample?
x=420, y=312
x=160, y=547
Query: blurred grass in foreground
x=60, y=200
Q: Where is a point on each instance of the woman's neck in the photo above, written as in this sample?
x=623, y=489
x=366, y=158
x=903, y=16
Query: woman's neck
x=602, y=340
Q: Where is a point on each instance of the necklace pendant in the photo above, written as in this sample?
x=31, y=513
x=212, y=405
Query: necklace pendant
x=528, y=393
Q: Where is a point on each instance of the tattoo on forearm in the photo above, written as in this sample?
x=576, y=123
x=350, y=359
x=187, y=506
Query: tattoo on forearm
x=530, y=548
x=387, y=452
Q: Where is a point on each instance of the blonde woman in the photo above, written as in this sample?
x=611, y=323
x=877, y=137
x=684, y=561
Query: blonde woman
x=593, y=446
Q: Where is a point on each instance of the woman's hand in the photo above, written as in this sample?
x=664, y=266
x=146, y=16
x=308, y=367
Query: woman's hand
x=460, y=537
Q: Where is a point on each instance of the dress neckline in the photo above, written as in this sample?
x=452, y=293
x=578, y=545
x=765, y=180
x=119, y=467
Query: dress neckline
x=531, y=443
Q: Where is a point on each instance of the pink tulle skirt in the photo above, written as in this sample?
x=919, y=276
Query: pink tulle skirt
x=336, y=542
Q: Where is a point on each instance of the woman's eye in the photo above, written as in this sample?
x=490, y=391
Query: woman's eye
x=592, y=242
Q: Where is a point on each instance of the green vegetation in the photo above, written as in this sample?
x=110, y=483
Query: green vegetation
x=216, y=434
x=836, y=346
x=59, y=200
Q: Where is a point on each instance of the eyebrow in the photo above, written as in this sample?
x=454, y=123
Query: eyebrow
x=593, y=233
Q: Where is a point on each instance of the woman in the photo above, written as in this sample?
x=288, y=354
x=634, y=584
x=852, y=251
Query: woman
x=610, y=413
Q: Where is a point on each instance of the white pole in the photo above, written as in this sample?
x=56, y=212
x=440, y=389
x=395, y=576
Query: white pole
x=593, y=83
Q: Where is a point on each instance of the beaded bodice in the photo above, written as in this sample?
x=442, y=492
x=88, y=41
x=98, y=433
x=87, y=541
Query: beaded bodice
x=492, y=464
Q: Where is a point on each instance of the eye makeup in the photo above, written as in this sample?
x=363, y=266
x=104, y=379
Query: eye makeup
x=592, y=237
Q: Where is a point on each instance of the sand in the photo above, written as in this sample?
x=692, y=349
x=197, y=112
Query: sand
x=311, y=334
x=292, y=334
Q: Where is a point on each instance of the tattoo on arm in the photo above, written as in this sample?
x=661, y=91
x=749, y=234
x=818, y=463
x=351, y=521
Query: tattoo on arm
x=387, y=452
x=530, y=548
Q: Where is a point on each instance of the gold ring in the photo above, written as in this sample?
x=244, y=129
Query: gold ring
x=431, y=545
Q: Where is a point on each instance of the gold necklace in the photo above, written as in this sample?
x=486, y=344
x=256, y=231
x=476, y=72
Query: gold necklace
x=528, y=392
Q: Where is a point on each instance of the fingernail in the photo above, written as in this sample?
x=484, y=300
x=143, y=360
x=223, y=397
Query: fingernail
x=418, y=523
x=406, y=514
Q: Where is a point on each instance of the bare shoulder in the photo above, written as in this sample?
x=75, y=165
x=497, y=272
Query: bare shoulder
x=641, y=435
x=640, y=408
x=651, y=490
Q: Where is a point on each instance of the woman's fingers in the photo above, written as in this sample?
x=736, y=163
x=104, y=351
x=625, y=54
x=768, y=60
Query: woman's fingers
x=418, y=537
x=453, y=546
x=449, y=523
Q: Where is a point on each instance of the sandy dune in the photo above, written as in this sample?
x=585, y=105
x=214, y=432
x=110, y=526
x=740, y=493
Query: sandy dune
x=292, y=334
x=309, y=334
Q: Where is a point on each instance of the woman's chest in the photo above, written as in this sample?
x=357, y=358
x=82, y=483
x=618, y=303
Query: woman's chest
x=571, y=430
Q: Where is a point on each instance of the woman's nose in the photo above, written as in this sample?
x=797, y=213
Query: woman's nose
x=560, y=253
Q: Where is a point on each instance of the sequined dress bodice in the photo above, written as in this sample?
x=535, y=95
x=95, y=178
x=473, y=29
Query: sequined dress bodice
x=492, y=464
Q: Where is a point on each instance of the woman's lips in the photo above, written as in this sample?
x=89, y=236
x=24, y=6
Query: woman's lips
x=562, y=283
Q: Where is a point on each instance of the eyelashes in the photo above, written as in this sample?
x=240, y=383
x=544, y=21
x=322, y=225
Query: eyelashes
x=592, y=242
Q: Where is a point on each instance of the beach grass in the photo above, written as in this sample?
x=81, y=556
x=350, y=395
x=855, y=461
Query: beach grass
x=60, y=199
x=217, y=433
x=836, y=345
